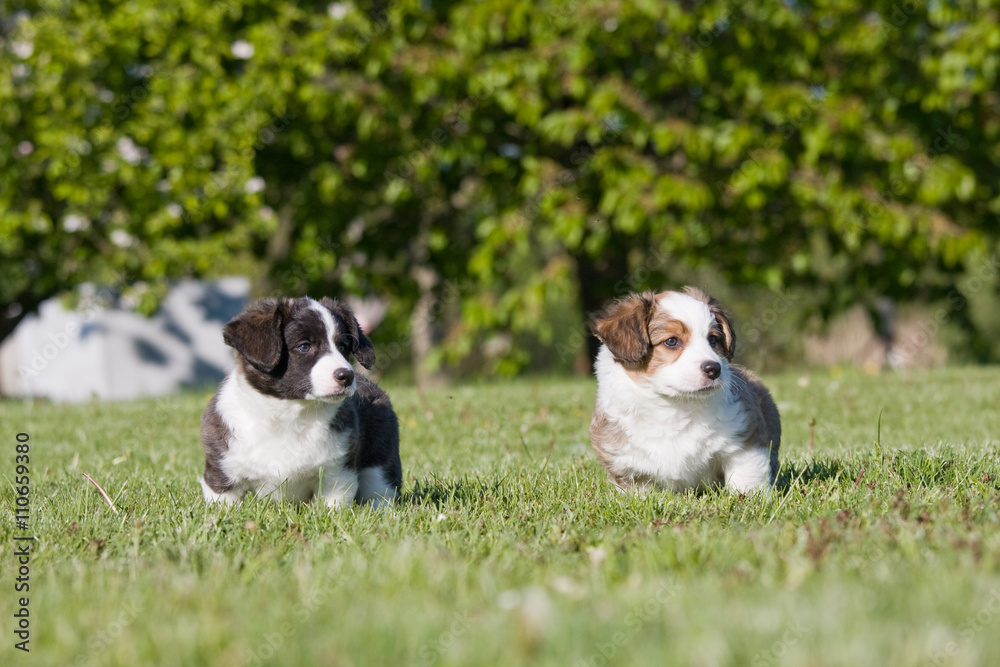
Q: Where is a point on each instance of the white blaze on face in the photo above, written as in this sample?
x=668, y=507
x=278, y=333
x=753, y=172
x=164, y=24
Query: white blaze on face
x=323, y=381
x=686, y=375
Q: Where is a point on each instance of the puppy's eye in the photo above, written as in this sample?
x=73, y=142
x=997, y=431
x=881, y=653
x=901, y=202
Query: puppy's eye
x=343, y=348
x=303, y=347
x=671, y=342
x=713, y=340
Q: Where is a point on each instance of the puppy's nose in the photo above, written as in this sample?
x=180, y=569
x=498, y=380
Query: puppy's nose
x=712, y=369
x=344, y=376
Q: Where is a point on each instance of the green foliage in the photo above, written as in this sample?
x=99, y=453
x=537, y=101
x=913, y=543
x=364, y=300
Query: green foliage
x=534, y=153
x=511, y=547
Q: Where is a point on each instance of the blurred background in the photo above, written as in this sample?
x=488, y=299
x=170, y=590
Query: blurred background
x=477, y=176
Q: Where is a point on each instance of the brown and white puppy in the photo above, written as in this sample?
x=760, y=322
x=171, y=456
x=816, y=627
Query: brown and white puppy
x=293, y=420
x=671, y=411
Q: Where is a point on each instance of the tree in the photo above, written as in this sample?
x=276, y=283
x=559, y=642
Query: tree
x=501, y=158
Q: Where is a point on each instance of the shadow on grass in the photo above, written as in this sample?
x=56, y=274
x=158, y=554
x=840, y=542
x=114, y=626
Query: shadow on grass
x=436, y=492
x=827, y=470
x=945, y=467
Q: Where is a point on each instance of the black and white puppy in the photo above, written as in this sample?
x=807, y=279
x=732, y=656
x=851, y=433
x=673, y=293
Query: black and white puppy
x=293, y=420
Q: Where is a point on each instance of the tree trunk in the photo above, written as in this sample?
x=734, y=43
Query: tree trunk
x=11, y=316
x=421, y=324
x=600, y=279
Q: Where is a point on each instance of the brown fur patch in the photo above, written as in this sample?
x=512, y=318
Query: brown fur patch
x=608, y=440
x=623, y=326
x=662, y=327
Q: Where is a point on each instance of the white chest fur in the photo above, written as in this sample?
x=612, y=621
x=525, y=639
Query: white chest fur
x=279, y=444
x=682, y=443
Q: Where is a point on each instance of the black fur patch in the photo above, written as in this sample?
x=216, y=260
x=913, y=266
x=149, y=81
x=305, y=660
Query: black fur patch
x=378, y=444
x=359, y=345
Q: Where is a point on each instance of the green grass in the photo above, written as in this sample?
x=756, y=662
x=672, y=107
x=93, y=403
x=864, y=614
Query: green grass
x=880, y=546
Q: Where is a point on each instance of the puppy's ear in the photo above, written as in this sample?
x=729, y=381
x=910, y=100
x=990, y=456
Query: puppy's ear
x=362, y=348
x=721, y=316
x=256, y=333
x=624, y=326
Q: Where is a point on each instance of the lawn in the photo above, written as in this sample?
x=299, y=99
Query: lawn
x=880, y=546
